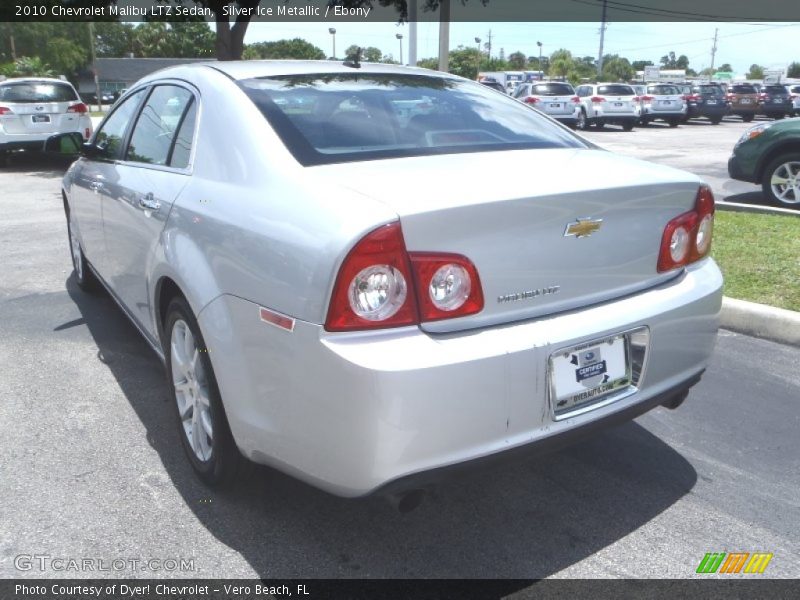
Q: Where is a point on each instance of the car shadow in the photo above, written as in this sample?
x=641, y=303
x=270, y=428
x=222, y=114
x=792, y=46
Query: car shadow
x=527, y=520
x=36, y=164
x=754, y=198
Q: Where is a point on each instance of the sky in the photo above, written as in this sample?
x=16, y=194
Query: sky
x=771, y=45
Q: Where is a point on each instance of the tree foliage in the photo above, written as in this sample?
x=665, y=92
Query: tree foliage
x=617, y=68
x=793, y=70
x=296, y=48
x=755, y=72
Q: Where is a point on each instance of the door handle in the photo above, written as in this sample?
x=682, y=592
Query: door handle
x=148, y=202
x=95, y=186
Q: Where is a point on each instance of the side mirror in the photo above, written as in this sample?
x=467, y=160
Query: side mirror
x=65, y=143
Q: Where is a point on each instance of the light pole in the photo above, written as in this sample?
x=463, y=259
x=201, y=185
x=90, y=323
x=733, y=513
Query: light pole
x=478, y=70
x=399, y=37
x=332, y=31
x=540, y=59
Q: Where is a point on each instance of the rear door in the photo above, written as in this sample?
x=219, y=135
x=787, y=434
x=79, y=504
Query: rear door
x=618, y=98
x=555, y=98
x=152, y=172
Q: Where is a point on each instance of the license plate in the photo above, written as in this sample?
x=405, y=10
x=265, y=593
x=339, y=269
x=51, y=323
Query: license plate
x=711, y=101
x=746, y=101
x=40, y=118
x=583, y=375
x=619, y=104
x=665, y=102
x=555, y=105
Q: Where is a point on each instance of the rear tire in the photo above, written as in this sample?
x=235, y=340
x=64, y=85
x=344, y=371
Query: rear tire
x=84, y=276
x=716, y=121
x=599, y=124
x=3, y=158
x=784, y=168
x=582, y=123
x=627, y=126
x=201, y=421
x=747, y=118
x=674, y=122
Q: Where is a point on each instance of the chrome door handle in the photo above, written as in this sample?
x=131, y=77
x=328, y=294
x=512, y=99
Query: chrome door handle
x=148, y=202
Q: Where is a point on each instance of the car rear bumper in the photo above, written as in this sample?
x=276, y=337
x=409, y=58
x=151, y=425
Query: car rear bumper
x=351, y=413
x=35, y=141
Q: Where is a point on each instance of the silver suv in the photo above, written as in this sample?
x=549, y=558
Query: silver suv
x=662, y=101
x=603, y=103
x=556, y=99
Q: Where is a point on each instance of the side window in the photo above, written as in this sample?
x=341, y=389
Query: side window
x=157, y=124
x=183, y=141
x=521, y=91
x=110, y=136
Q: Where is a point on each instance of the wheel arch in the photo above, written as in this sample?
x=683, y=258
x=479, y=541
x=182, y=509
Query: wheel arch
x=781, y=148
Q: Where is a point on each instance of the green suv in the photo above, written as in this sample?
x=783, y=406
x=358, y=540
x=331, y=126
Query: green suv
x=769, y=154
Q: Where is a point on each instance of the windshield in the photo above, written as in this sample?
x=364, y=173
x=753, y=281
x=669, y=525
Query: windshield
x=332, y=118
x=37, y=91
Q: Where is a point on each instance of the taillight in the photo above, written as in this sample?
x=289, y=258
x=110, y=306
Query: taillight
x=636, y=98
x=597, y=99
x=687, y=237
x=87, y=133
x=647, y=98
x=80, y=107
x=447, y=285
x=381, y=285
x=575, y=100
x=531, y=100
x=4, y=110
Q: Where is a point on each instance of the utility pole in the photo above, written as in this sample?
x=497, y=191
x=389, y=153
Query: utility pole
x=489, y=44
x=11, y=41
x=444, y=35
x=412, y=33
x=94, y=68
x=714, y=50
x=602, y=39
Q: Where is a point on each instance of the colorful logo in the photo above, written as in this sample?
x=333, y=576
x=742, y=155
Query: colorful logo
x=734, y=562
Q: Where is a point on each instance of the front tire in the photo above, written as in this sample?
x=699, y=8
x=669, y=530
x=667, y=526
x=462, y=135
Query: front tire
x=202, y=424
x=84, y=276
x=781, y=182
x=582, y=124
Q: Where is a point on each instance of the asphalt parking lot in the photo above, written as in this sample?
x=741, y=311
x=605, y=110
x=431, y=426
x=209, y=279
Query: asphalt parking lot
x=92, y=468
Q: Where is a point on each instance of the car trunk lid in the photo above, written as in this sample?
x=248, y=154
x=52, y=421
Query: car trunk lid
x=531, y=237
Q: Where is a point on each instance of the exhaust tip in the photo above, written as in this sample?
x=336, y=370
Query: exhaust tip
x=405, y=502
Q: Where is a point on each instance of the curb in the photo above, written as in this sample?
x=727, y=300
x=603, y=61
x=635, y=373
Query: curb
x=759, y=320
x=753, y=208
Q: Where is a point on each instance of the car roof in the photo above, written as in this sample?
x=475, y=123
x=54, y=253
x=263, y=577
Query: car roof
x=247, y=69
x=34, y=79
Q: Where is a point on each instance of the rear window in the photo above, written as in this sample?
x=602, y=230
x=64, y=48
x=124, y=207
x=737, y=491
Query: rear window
x=743, y=89
x=333, y=118
x=775, y=89
x=553, y=89
x=615, y=90
x=36, y=92
x=709, y=90
x=663, y=90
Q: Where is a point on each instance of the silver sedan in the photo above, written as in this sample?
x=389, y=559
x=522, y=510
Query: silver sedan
x=365, y=274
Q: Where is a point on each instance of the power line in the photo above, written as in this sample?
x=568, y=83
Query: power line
x=661, y=12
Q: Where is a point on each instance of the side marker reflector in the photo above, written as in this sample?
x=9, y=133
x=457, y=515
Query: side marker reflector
x=276, y=318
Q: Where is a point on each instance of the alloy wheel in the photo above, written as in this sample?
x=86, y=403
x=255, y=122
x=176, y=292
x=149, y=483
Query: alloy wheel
x=785, y=182
x=75, y=249
x=191, y=390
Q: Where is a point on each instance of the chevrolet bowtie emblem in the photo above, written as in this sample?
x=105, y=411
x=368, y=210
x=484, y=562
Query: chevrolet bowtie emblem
x=583, y=227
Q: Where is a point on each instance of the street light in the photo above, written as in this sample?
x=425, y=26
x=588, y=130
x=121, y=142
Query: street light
x=540, y=59
x=399, y=36
x=332, y=31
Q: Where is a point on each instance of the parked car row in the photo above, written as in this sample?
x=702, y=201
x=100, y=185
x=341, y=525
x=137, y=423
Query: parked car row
x=629, y=105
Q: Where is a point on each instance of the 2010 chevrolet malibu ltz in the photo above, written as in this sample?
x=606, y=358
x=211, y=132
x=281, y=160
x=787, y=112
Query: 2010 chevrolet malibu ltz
x=363, y=274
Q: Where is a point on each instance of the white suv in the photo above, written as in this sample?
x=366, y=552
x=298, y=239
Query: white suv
x=603, y=103
x=34, y=109
x=663, y=101
x=554, y=98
